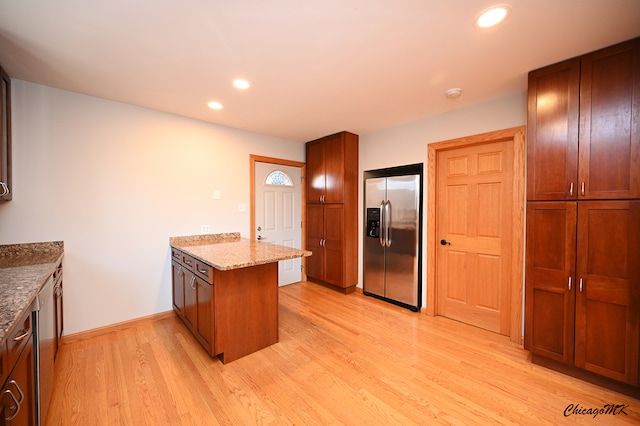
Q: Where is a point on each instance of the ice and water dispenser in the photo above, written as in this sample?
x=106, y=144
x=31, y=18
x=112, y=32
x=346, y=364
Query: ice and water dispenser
x=373, y=222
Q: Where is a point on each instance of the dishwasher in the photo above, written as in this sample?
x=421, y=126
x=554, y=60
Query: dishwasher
x=44, y=348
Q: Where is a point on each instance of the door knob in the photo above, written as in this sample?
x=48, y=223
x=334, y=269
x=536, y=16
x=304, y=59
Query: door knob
x=259, y=228
x=445, y=243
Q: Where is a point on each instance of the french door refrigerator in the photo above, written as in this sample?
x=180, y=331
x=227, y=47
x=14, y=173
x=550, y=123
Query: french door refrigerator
x=392, y=236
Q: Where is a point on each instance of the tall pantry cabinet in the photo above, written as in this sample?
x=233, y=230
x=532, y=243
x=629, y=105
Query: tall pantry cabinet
x=582, y=298
x=332, y=211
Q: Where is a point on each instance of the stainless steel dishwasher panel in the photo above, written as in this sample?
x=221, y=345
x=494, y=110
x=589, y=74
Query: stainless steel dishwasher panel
x=44, y=343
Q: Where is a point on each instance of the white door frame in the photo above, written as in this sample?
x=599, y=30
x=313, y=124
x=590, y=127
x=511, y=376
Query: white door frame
x=517, y=134
x=303, y=172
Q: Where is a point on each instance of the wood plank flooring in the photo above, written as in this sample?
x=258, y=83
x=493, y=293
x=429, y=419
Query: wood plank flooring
x=341, y=359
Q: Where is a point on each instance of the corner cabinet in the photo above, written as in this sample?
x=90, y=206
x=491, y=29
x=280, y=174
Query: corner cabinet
x=332, y=217
x=5, y=134
x=582, y=298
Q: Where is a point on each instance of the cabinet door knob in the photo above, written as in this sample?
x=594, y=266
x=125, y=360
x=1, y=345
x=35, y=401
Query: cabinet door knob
x=582, y=190
x=569, y=283
x=580, y=285
x=571, y=190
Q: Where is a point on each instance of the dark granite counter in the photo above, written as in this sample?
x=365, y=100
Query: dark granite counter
x=24, y=268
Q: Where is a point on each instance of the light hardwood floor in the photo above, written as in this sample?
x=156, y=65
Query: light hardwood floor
x=341, y=359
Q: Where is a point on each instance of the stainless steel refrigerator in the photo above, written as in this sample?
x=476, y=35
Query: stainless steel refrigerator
x=392, y=235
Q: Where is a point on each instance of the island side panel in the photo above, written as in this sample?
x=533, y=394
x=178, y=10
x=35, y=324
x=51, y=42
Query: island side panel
x=246, y=310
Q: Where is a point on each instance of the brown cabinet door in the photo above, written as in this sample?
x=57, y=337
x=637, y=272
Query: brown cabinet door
x=315, y=171
x=315, y=239
x=608, y=289
x=333, y=246
x=552, y=139
x=334, y=168
x=550, y=280
x=190, y=299
x=178, y=287
x=609, y=158
x=205, y=321
x=21, y=382
x=5, y=137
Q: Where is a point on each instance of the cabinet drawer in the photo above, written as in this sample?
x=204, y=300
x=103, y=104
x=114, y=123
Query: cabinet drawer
x=188, y=261
x=176, y=255
x=18, y=338
x=204, y=271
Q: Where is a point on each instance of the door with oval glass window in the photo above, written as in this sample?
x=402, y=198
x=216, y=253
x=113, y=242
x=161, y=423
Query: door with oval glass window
x=278, y=213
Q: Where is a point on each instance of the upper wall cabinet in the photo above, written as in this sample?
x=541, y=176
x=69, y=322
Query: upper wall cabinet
x=5, y=132
x=584, y=127
x=330, y=170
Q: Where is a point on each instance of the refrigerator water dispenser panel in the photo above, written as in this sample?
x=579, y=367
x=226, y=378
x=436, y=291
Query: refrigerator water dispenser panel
x=373, y=222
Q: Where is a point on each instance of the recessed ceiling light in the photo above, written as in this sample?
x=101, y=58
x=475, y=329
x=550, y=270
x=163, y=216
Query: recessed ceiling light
x=493, y=15
x=215, y=105
x=241, y=84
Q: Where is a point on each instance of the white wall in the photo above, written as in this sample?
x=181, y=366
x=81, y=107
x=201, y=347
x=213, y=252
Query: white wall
x=114, y=182
x=407, y=144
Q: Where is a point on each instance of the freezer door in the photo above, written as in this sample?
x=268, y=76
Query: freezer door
x=403, y=195
x=373, y=268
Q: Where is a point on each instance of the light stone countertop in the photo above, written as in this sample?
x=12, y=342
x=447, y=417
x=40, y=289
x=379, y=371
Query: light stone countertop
x=24, y=269
x=230, y=251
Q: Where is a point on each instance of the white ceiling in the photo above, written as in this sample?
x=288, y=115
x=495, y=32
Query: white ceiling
x=316, y=67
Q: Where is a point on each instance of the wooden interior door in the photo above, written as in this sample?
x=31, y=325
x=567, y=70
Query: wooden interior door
x=474, y=203
x=608, y=292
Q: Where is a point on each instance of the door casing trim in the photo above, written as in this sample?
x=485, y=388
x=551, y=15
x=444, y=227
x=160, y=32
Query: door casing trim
x=303, y=198
x=517, y=135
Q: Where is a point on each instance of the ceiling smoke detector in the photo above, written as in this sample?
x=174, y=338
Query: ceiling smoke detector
x=453, y=93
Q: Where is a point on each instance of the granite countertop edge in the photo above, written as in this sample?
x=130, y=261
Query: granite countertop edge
x=24, y=269
x=229, y=251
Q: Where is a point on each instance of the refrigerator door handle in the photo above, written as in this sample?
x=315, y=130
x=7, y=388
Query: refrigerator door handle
x=381, y=232
x=387, y=225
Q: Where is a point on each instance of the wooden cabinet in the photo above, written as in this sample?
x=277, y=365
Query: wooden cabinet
x=192, y=284
x=583, y=306
x=332, y=217
x=5, y=137
x=582, y=302
x=550, y=278
x=178, y=280
x=609, y=146
x=17, y=400
x=608, y=289
x=58, y=294
x=232, y=313
x=584, y=127
x=325, y=230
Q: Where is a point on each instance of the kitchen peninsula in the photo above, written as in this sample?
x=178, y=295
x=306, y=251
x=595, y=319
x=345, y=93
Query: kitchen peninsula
x=225, y=290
